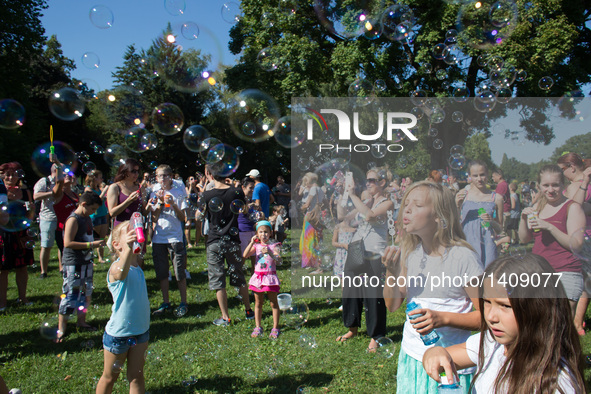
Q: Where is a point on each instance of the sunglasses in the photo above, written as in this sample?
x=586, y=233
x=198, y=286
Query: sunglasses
x=371, y=180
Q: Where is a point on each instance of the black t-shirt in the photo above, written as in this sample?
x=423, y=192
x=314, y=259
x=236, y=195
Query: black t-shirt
x=222, y=221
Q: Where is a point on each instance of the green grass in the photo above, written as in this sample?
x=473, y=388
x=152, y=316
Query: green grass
x=191, y=347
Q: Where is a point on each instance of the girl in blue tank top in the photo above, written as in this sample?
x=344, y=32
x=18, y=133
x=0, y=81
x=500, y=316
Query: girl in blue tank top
x=127, y=332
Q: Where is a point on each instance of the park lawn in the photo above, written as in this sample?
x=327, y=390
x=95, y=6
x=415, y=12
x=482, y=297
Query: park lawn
x=190, y=354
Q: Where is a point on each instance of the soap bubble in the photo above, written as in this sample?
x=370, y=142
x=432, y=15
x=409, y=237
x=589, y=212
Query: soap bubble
x=546, y=83
x=441, y=74
x=153, y=165
x=101, y=16
x=30, y=244
x=12, y=114
x=89, y=167
x=150, y=141
x=91, y=60
x=460, y=95
x=521, y=76
x=194, y=137
x=380, y=85
x=483, y=24
x=66, y=104
x=175, y=7
x=267, y=20
x=228, y=162
x=115, y=155
x=418, y=97
x=296, y=315
x=117, y=366
x=180, y=311
x=216, y=204
x=49, y=328
x=517, y=251
x=457, y=161
x=308, y=341
x=433, y=132
x=190, y=30
x=212, y=150
x=457, y=116
x=267, y=59
x=502, y=78
x=451, y=36
x=386, y=347
x=437, y=143
x=437, y=115
x=363, y=90
x=427, y=68
x=397, y=22
x=584, y=251
x=167, y=119
x=485, y=101
x=40, y=158
x=440, y=51
x=253, y=114
x=239, y=150
x=32, y=232
x=237, y=206
x=457, y=150
x=285, y=136
x=231, y=12
x=135, y=141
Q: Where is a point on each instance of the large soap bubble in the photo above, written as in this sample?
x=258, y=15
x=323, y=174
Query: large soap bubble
x=175, y=7
x=17, y=216
x=296, y=315
x=485, y=23
x=12, y=114
x=228, y=163
x=66, y=104
x=253, y=115
x=40, y=158
x=167, y=119
x=285, y=135
x=212, y=150
x=101, y=16
x=139, y=140
x=115, y=155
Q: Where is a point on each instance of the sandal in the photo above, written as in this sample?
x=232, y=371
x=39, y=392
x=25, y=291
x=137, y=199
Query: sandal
x=274, y=333
x=257, y=332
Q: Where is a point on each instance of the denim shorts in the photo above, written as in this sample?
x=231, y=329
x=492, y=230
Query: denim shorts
x=121, y=345
x=47, y=233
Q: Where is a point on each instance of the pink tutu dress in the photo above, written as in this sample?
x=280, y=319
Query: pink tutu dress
x=265, y=274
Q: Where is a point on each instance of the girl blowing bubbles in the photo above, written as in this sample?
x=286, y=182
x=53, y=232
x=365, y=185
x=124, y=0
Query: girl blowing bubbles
x=527, y=344
x=127, y=332
x=264, y=278
x=432, y=244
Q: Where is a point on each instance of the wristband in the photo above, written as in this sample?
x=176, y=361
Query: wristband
x=88, y=245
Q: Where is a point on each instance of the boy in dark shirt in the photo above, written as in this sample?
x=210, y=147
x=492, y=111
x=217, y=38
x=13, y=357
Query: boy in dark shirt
x=222, y=205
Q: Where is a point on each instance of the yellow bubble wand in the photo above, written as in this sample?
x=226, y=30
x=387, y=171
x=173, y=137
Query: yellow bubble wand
x=51, y=148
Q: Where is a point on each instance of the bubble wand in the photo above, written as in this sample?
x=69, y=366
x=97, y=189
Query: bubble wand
x=51, y=148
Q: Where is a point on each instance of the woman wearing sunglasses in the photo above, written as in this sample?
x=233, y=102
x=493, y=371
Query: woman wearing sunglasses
x=124, y=197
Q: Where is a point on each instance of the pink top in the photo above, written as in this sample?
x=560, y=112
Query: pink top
x=265, y=274
x=545, y=245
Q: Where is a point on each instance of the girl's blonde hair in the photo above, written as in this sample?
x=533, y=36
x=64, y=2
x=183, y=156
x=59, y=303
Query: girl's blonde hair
x=548, y=169
x=450, y=231
x=116, y=235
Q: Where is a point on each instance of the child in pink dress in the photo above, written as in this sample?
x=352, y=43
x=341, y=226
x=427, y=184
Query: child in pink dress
x=265, y=277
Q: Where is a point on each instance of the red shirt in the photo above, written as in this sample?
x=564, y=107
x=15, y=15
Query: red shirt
x=503, y=190
x=63, y=209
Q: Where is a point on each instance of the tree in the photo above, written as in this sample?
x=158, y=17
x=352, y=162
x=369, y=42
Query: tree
x=327, y=47
x=514, y=170
x=580, y=144
x=477, y=148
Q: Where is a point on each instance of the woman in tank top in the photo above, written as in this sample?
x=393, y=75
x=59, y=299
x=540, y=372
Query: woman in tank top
x=124, y=196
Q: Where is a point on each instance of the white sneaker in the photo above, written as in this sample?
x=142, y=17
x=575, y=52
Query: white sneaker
x=187, y=274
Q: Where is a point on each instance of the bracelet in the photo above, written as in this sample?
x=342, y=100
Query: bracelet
x=88, y=245
x=583, y=188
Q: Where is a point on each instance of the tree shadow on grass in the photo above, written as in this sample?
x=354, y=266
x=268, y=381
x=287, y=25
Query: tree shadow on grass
x=290, y=383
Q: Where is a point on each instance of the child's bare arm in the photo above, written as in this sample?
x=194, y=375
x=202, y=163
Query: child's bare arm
x=120, y=268
x=249, y=251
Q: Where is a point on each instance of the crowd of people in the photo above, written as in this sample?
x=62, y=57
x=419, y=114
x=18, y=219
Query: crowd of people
x=382, y=227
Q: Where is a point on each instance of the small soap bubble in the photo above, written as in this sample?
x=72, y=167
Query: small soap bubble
x=546, y=83
x=167, y=119
x=279, y=153
x=307, y=341
x=132, y=341
x=115, y=155
x=33, y=232
x=91, y=61
x=439, y=51
x=66, y=104
x=268, y=59
x=175, y=7
x=30, y=244
x=153, y=165
x=457, y=161
x=49, y=328
x=457, y=116
x=386, y=347
x=194, y=136
x=380, y=85
x=438, y=143
x=180, y=311
x=117, y=366
x=89, y=167
x=216, y=204
x=231, y=12
x=236, y=206
x=190, y=30
x=239, y=150
x=101, y=16
x=521, y=76
x=296, y=315
x=12, y=114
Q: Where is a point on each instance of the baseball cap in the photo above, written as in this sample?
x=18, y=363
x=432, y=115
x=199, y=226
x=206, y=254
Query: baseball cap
x=254, y=173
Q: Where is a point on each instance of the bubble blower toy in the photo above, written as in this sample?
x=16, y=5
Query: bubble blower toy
x=51, y=148
x=138, y=224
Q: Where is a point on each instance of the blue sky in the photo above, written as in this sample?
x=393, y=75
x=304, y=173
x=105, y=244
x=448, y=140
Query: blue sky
x=140, y=21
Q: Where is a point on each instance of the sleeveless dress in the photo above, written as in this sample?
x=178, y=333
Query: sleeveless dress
x=340, y=258
x=13, y=247
x=126, y=214
x=479, y=237
x=265, y=272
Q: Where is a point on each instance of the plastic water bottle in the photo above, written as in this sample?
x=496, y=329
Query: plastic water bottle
x=484, y=223
x=431, y=337
x=447, y=387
